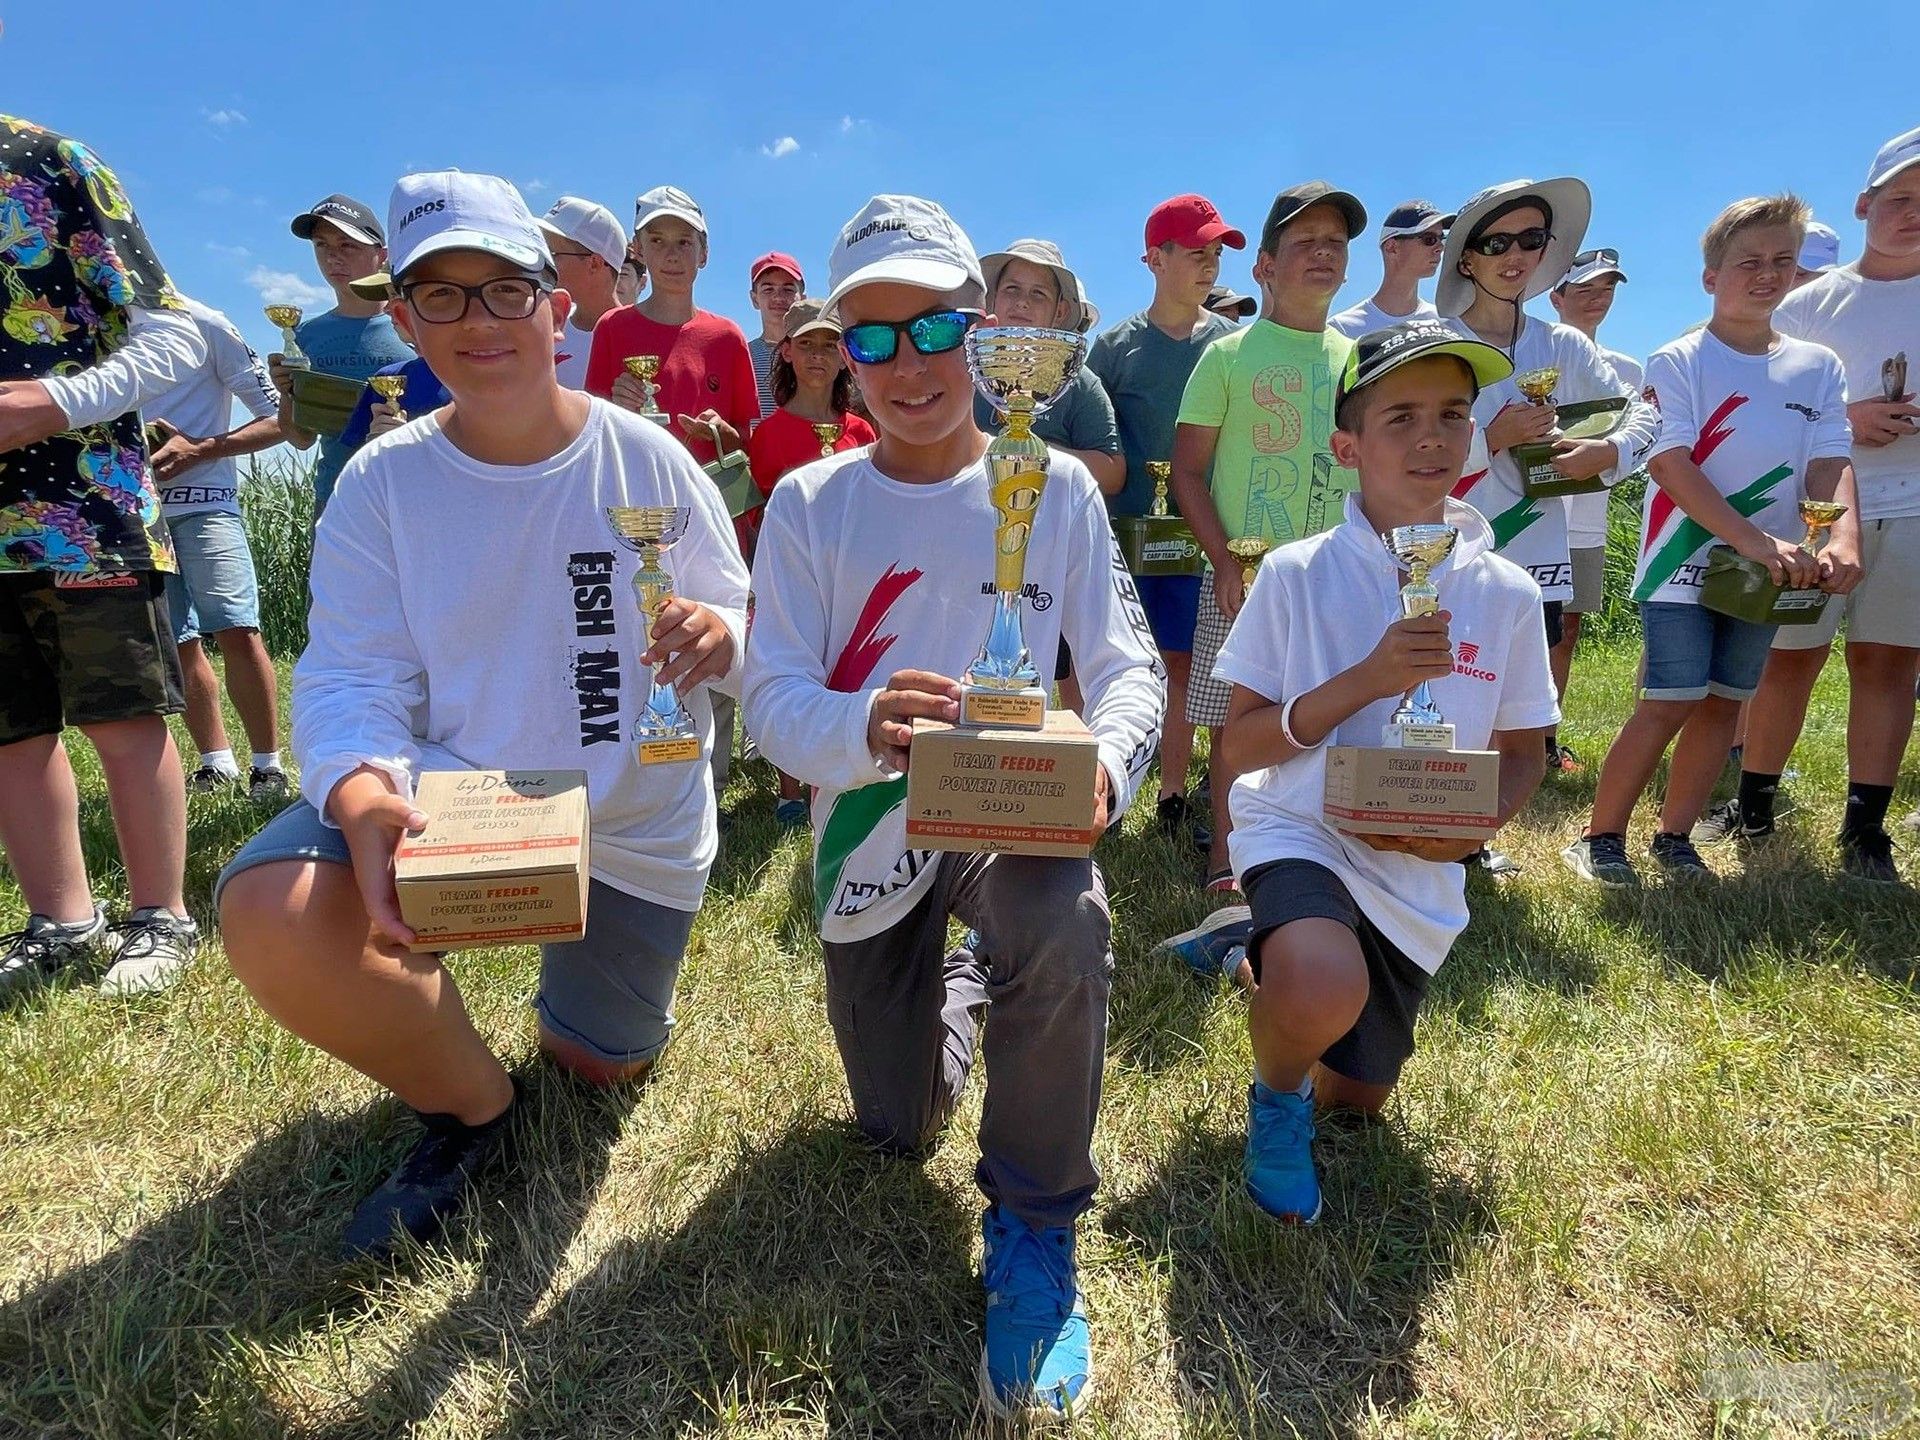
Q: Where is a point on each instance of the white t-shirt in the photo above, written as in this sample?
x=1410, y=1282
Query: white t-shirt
x=1533, y=532
x=1866, y=323
x=570, y=358
x=1317, y=608
x=475, y=616
x=856, y=576
x=1357, y=321
x=1751, y=423
x=1587, y=514
x=202, y=405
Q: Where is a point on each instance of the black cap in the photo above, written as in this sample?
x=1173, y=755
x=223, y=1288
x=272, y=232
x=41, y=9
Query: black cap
x=1410, y=217
x=1290, y=202
x=1380, y=352
x=345, y=212
x=1223, y=301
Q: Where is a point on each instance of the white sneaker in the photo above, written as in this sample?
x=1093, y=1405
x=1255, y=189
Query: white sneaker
x=155, y=947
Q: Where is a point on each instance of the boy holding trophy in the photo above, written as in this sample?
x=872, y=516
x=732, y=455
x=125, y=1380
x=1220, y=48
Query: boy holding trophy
x=471, y=611
x=875, y=578
x=1753, y=427
x=1346, y=928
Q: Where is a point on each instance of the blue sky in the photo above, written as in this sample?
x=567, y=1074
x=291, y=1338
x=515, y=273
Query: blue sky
x=1065, y=121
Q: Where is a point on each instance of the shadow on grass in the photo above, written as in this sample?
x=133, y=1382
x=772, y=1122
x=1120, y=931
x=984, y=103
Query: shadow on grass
x=1280, y=1330
x=163, y=1334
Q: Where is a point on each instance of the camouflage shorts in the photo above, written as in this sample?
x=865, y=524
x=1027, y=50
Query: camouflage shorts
x=83, y=653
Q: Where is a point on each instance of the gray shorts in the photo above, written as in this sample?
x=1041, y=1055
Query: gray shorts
x=610, y=993
x=1589, y=579
x=216, y=588
x=1884, y=608
x=1207, y=697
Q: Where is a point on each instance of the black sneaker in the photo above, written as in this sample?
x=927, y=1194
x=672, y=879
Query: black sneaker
x=1675, y=855
x=428, y=1188
x=1869, y=856
x=268, y=786
x=1562, y=759
x=209, y=780
x=46, y=948
x=1176, y=814
x=155, y=946
x=1724, y=822
x=1602, y=859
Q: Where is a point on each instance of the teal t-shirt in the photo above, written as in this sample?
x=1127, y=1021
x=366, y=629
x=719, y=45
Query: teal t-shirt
x=1145, y=372
x=356, y=348
x=1081, y=419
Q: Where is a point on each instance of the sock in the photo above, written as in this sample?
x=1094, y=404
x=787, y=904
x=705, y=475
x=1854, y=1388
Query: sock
x=221, y=760
x=1305, y=1092
x=1756, y=797
x=1553, y=746
x=1866, y=809
x=266, y=759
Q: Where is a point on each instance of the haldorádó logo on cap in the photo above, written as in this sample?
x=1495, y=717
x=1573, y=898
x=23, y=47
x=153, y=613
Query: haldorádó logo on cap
x=1380, y=352
x=902, y=239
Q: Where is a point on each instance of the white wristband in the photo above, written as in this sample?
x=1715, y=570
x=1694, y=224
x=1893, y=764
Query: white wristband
x=1286, y=726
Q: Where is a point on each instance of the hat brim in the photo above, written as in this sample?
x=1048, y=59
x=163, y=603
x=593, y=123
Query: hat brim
x=1572, y=206
x=819, y=322
x=524, y=256
x=1345, y=201
x=1899, y=168
x=377, y=286
x=753, y=277
x=615, y=261
x=939, y=276
x=1232, y=304
x=670, y=212
x=1213, y=230
x=1064, y=280
x=1489, y=364
x=304, y=225
x=1401, y=232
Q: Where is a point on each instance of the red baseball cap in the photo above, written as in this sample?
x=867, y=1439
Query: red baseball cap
x=1190, y=221
x=774, y=260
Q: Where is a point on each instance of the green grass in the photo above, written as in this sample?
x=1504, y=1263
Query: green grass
x=1656, y=1153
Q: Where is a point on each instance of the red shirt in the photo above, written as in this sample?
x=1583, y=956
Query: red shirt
x=704, y=365
x=785, y=441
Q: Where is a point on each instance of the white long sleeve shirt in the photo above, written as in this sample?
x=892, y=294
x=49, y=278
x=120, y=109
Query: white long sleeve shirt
x=475, y=616
x=857, y=576
x=202, y=405
x=163, y=349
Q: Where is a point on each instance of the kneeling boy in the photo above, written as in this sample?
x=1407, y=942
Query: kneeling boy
x=1347, y=929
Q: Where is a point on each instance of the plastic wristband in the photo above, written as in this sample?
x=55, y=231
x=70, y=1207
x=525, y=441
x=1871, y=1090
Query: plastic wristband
x=1286, y=726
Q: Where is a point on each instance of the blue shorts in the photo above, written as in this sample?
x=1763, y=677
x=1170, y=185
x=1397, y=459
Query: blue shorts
x=611, y=992
x=1691, y=652
x=216, y=588
x=1172, y=603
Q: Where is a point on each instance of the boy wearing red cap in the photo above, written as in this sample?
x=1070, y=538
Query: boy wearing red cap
x=774, y=282
x=1144, y=362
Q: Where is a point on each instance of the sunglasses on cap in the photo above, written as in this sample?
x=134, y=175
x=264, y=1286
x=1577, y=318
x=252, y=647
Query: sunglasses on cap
x=1534, y=237
x=1604, y=256
x=875, y=342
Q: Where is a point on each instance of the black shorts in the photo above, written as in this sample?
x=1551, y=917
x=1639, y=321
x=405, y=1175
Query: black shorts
x=92, y=650
x=1381, y=1039
x=1553, y=616
x=1063, y=663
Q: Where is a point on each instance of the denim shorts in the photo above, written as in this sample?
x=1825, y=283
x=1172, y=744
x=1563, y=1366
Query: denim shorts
x=610, y=993
x=1692, y=652
x=216, y=588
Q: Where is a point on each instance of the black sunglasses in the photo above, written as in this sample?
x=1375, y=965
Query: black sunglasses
x=1534, y=237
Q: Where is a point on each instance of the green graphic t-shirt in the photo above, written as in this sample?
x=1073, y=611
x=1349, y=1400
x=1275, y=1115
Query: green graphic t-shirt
x=1269, y=392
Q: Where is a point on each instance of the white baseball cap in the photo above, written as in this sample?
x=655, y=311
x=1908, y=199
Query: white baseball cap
x=903, y=239
x=438, y=210
x=1821, y=249
x=665, y=201
x=588, y=224
x=1899, y=153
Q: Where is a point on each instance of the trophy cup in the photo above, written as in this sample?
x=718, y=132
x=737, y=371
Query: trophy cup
x=1249, y=550
x=291, y=355
x=1158, y=542
x=1418, y=724
x=664, y=733
x=1819, y=516
x=1734, y=585
x=1160, y=472
x=1021, y=370
x=645, y=368
x=1537, y=385
x=390, y=388
x=828, y=434
x=1580, y=420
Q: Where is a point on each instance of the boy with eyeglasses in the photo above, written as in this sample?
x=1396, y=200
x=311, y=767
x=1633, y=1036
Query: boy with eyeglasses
x=873, y=587
x=1410, y=243
x=471, y=611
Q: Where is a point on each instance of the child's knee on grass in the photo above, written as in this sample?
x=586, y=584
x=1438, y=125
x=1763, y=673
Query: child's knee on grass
x=1312, y=987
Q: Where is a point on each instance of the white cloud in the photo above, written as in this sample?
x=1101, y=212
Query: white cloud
x=848, y=124
x=228, y=252
x=224, y=118
x=779, y=150
x=283, y=287
x=532, y=187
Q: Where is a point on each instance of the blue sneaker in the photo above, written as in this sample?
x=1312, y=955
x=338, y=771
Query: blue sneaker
x=1035, y=1361
x=1216, y=945
x=1279, y=1163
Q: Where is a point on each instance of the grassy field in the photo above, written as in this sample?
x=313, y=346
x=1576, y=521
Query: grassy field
x=1654, y=1171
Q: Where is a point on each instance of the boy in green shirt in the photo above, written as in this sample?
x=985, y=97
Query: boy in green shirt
x=1252, y=454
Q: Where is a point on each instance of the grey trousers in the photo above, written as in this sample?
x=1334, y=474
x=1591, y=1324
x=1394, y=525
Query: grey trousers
x=724, y=709
x=904, y=1015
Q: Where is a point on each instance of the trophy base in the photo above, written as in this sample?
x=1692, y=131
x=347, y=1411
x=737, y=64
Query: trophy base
x=667, y=749
x=1417, y=735
x=1419, y=794
x=1158, y=545
x=1734, y=585
x=984, y=708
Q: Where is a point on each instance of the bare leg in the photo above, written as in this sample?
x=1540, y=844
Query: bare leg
x=251, y=683
x=1632, y=759
x=588, y=1066
x=1070, y=696
x=1313, y=986
x=40, y=829
x=1176, y=735
x=202, y=687
x=148, y=794
x=298, y=937
x=1880, y=711
x=1779, y=708
x=1560, y=657
x=1222, y=822
x=1698, y=758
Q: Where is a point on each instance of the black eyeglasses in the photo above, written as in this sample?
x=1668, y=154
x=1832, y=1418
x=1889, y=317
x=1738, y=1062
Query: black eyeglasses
x=875, y=342
x=1534, y=237
x=441, y=302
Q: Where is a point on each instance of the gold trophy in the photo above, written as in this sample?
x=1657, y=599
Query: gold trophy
x=1249, y=550
x=1734, y=585
x=828, y=434
x=1577, y=420
x=291, y=355
x=390, y=388
x=1160, y=472
x=1418, y=724
x=665, y=732
x=1158, y=542
x=645, y=368
x=1538, y=385
x=1819, y=516
x=1021, y=370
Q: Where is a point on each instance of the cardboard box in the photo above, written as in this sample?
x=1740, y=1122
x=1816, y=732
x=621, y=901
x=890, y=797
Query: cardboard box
x=1742, y=588
x=1452, y=794
x=502, y=861
x=1016, y=792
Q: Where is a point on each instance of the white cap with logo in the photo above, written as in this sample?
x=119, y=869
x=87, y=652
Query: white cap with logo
x=1900, y=153
x=902, y=239
x=440, y=210
x=667, y=202
x=589, y=225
